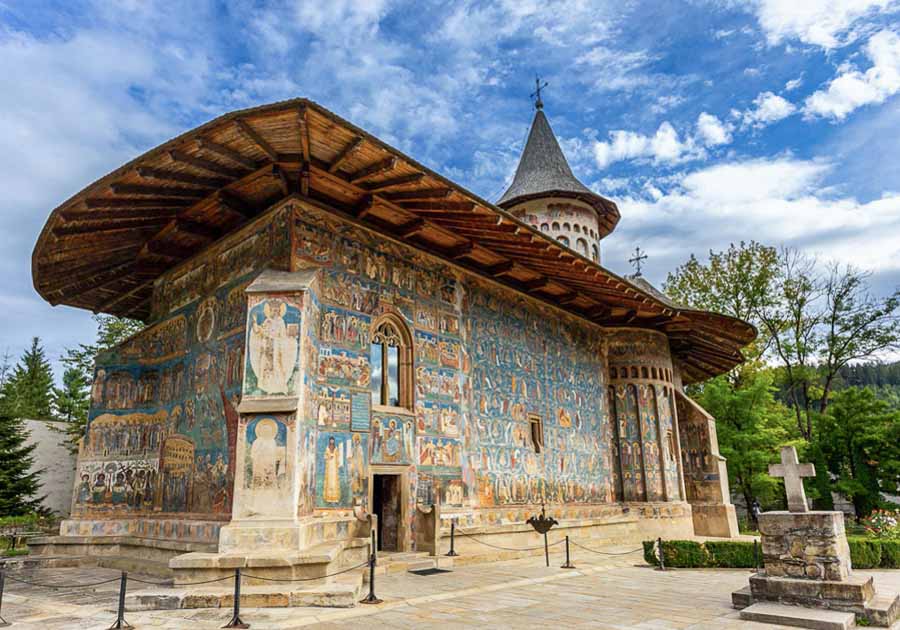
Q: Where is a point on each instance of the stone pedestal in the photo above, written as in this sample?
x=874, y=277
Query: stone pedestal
x=807, y=563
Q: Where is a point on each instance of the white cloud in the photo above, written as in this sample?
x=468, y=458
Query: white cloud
x=768, y=108
x=712, y=131
x=775, y=201
x=793, y=84
x=852, y=89
x=825, y=23
x=663, y=146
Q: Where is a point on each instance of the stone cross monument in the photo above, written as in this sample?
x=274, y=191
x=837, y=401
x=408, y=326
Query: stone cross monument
x=793, y=472
x=807, y=565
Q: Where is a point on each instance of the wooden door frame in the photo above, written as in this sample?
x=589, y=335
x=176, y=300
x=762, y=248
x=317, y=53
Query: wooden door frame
x=404, y=533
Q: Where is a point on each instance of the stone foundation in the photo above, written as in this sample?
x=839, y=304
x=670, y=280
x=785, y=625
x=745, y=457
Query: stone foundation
x=807, y=545
x=715, y=519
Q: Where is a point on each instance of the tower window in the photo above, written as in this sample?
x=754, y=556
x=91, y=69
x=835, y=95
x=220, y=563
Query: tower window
x=537, y=432
x=582, y=247
x=545, y=227
x=577, y=229
x=564, y=240
x=555, y=226
x=390, y=356
x=567, y=227
x=595, y=253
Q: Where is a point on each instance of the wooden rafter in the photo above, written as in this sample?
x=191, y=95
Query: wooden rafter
x=106, y=215
x=393, y=182
x=228, y=153
x=101, y=227
x=182, y=178
x=382, y=166
x=134, y=204
x=206, y=165
x=254, y=137
x=345, y=154
x=157, y=191
x=422, y=194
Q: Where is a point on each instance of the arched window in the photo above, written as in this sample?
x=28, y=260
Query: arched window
x=545, y=227
x=577, y=229
x=582, y=247
x=595, y=255
x=564, y=240
x=567, y=227
x=556, y=226
x=391, y=359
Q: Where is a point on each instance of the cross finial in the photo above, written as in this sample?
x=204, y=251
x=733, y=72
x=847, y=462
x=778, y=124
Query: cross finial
x=793, y=472
x=637, y=260
x=538, y=103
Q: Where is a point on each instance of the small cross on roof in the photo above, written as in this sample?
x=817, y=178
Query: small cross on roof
x=793, y=472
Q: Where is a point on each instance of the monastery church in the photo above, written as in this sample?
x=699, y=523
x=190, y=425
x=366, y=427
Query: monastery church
x=339, y=338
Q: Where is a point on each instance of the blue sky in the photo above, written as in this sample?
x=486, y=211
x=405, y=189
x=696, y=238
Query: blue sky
x=708, y=122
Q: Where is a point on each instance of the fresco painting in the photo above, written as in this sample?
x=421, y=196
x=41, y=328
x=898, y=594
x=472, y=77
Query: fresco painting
x=341, y=464
x=630, y=445
x=273, y=347
x=267, y=467
x=392, y=439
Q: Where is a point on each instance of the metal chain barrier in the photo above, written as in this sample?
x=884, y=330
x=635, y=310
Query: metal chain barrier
x=487, y=544
x=607, y=553
x=61, y=586
x=309, y=579
x=180, y=584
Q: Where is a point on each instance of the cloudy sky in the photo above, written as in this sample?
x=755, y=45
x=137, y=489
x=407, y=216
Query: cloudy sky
x=708, y=122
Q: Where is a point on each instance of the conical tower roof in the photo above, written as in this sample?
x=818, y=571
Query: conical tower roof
x=544, y=172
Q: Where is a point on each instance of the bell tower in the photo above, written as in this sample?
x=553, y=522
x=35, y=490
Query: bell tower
x=546, y=195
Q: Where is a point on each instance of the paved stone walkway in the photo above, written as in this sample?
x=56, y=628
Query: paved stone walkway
x=603, y=592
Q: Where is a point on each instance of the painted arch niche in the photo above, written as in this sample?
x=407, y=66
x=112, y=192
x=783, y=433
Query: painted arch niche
x=391, y=359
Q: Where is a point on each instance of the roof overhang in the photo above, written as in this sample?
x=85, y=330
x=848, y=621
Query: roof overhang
x=103, y=248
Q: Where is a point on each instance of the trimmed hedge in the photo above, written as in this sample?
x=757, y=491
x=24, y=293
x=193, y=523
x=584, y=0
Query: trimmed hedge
x=865, y=553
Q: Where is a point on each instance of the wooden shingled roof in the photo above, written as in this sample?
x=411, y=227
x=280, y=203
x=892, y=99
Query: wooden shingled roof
x=102, y=249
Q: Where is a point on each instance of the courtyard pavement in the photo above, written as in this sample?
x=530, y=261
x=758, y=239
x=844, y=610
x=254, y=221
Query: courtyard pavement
x=602, y=592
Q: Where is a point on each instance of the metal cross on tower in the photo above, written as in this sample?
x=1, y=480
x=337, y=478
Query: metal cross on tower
x=793, y=472
x=637, y=260
x=538, y=103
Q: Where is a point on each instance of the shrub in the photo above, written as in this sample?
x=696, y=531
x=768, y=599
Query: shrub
x=883, y=524
x=890, y=554
x=650, y=552
x=865, y=553
x=684, y=554
x=731, y=554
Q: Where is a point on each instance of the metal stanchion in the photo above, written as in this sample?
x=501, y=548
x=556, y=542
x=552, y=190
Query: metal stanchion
x=756, y=555
x=452, y=551
x=3, y=622
x=662, y=561
x=120, y=617
x=236, y=621
x=371, y=598
x=568, y=564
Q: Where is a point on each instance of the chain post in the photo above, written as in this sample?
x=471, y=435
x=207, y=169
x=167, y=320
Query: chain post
x=756, y=556
x=120, y=616
x=568, y=564
x=371, y=598
x=452, y=551
x=662, y=561
x=236, y=621
x=3, y=622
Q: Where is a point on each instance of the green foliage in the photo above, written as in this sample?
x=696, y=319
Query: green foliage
x=684, y=553
x=650, y=552
x=890, y=554
x=71, y=400
x=18, y=486
x=27, y=391
x=859, y=440
x=751, y=426
x=731, y=554
x=865, y=553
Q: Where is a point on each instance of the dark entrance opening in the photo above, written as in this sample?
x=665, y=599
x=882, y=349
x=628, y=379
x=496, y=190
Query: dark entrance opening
x=386, y=505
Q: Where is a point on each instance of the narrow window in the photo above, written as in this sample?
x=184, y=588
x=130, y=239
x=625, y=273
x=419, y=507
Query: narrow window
x=545, y=227
x=595, y=253
x=390, y=355
x=582, y=247
x=577, y=229
x=537, y=432
x=564, y=240
x=555, y=226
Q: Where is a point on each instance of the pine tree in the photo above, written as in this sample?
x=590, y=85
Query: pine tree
x=71, y=401
x=28, y=391
x=18, y=486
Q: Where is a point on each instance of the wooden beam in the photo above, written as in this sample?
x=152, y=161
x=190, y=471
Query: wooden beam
x=303, y=124
x=382, y=166
x=253, y=135
x=425, y=193
x=364, y=207
x=412, y=227
x=345, y=153
x=426, y=206
x=568, y=298
x=109, y=226
x=283, y=181
x=196, y=228
x=182, y=178
x=598, y=311
x=304, y=179
x=500, y=268
x=391, y=183
x=157, y=191
x=460, y=251
x=228, y=153
x=105, y=215
x=169, y=250
x=234, y=202
x=534, y=285
x=205, y=165
x=128, y=204
x=107, y=306
x=73, y=280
